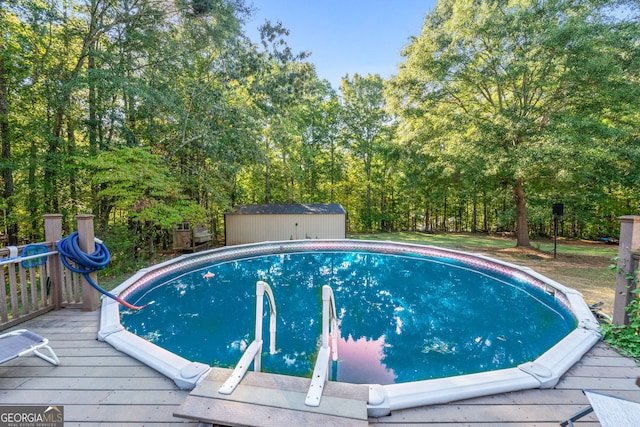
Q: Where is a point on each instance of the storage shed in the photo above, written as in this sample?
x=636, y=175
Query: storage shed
x=273, y=222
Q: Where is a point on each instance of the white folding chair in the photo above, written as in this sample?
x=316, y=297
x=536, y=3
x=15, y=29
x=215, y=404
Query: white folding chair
x=23, y=342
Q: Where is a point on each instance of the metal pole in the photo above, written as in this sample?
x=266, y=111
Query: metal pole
x=555, y=235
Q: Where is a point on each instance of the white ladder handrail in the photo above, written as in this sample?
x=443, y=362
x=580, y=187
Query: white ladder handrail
x=262, y=289
x=254, y=351
x=321, y=369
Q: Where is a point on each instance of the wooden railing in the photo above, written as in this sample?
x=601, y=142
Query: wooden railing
x=27, y=292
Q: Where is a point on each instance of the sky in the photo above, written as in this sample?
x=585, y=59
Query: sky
x=345, y=36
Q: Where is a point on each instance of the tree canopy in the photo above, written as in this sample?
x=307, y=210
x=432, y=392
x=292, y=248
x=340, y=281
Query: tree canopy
x=535, y=90
x=147, y=113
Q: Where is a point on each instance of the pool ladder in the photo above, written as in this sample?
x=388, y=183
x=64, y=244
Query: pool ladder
x=321, y=369
x=254, y=350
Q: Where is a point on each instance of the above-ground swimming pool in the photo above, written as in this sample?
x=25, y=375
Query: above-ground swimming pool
x=420, y=325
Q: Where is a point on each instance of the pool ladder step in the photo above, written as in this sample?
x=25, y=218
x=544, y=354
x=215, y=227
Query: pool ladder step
x=263, y=399
x=254, y=351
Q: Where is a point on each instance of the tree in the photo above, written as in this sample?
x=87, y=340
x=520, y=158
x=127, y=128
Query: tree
x=8, y=25
x=314, y=122
x=526, y=86
x=281, y=81
x=365, y=127
x=140, y=186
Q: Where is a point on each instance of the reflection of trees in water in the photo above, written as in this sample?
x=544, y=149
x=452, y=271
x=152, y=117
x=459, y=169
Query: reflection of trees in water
x=469, y=323
x=190, y=313
x=430, y=314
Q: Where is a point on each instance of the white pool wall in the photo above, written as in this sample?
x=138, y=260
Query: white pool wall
x=544, y=372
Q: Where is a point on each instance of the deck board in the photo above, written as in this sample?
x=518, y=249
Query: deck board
x=201, y=408
x=261, y=399
x=96, y=384
x=100, y=386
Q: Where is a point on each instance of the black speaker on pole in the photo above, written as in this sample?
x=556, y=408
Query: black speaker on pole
x=558, y=209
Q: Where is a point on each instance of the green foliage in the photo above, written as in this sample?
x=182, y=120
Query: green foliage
x=367, y=135
x=181, y=118
x=626, y=338
x=125, y=256
x=139, y=184
x=202, y=7
x=524, y=88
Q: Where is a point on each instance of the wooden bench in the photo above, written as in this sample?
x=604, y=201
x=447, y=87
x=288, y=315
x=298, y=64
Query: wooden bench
x=201, y=235
x=186, y=238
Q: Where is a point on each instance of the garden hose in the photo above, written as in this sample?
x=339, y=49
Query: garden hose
x=80, y=262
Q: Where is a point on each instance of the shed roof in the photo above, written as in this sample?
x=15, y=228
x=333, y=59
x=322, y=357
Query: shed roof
x=290, y=209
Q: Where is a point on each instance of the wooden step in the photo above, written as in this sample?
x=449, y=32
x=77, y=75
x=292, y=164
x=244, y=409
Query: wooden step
x=273, y=400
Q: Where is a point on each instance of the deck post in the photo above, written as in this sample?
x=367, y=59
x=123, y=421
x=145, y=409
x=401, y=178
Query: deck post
x=629, y=242
x=87, y=244
x=53, y=233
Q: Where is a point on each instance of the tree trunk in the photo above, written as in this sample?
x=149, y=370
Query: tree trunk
x=71, y=152
x=369, y=215
x=5, y=165
x=426, y=223
x=445, y=224
x=99, y=208
x=333, y=170
x=267, y=184
x=33, y=195
x=485, y=212
x=474, y=213
x=521, y=214
x=52, y=163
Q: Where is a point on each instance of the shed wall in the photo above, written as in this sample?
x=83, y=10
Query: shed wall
x=241, y=229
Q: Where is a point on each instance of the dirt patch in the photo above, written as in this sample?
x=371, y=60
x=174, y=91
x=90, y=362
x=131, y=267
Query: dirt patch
x=530, y=253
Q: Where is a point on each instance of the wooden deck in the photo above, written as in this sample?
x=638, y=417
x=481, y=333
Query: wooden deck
x=97, y=385
x=267, y=399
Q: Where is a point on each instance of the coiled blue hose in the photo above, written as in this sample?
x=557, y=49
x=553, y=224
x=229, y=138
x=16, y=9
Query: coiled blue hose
x=80, y=262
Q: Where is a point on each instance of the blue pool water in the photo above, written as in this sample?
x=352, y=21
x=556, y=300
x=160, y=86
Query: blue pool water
x=403, y=317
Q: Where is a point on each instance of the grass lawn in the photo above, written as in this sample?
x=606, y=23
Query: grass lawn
x=581, y=265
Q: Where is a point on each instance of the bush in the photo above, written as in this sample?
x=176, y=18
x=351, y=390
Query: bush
x=626, y=338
